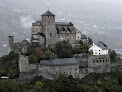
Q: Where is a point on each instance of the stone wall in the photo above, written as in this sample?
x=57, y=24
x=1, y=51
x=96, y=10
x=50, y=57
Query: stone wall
x=100, y=63
x=83, y=72
x=23, y=64
x=52, y=72
x=19, y=48
x=49, y=30
x=82, y=58
x=27, y=71
x=96, y=64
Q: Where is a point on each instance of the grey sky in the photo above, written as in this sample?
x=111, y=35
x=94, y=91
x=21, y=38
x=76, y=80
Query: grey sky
x=107, y=6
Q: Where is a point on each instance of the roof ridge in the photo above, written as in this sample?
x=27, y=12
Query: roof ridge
x=48, y=13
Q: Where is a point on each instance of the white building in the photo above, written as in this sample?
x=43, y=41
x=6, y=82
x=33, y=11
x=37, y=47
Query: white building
x=99, y=49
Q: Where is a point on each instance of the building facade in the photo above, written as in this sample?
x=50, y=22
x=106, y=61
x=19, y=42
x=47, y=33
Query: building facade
x=99, y=49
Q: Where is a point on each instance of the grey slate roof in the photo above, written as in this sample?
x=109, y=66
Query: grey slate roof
x=101, y=45
x=83, y=36
x=38, y=22
x=64, y=23
x=48, y=13
x=59, y=62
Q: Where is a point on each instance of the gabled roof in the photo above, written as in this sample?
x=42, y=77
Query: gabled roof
x=59, y=62
x=101, y=45
x=83, y=36
x=48, y=13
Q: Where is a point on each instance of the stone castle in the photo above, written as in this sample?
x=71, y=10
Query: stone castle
x=46, y=33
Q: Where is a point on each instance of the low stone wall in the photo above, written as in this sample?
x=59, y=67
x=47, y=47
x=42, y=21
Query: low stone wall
x=82, y=59
x=95, y=64
x=98, y=61
x=83, y=72
x=56, y=70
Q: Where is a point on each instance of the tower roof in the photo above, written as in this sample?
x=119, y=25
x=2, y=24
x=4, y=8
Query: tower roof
x=48, y=13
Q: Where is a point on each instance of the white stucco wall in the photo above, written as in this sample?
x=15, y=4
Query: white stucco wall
x=78, y=35
x=98, y=51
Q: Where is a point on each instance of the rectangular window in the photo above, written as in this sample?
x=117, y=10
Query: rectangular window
x=50, y=34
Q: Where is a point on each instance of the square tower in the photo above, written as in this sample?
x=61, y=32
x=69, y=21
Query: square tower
x=49, y=28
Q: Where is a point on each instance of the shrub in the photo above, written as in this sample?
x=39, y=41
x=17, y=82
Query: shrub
x=33, y=59
x=63, y=50
x=48, y=55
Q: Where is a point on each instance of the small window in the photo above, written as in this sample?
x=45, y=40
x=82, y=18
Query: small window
x=67, y=35
x=93, y=61
x=50, y=34
x=99, y=50
x=36, y=29
x=78, y=37
x=97, y=61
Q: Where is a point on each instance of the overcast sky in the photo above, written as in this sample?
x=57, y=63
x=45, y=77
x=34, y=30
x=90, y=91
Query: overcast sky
x=63, y=3
x=109, y=7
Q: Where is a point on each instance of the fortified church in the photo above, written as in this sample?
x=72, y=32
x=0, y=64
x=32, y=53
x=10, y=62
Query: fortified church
x=47, y=32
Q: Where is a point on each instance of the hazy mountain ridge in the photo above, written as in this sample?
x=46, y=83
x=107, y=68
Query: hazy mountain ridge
x=17, y=22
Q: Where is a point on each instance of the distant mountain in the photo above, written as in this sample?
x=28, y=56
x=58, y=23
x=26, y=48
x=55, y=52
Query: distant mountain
x=17, y=22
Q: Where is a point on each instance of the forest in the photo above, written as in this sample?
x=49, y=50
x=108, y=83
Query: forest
x=107, y=82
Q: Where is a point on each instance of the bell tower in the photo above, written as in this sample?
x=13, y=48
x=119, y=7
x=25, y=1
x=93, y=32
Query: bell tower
x=49, y=28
